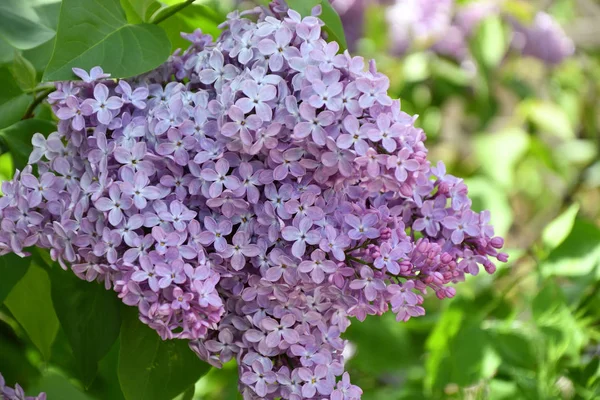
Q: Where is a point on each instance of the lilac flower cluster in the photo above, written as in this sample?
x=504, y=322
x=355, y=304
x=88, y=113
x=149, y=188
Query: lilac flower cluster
x=7, y=393
x=446, y=27
x=251, y=195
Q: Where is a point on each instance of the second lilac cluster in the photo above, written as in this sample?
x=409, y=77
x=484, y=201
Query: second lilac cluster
x=445, y=27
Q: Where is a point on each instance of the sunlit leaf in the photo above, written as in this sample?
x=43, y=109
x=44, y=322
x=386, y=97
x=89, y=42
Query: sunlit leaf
x=578, y=254
x=558, y=230
x=96, y=32
x=548, y=118
x=490, y=42
x=499, y=152
x=31, y=305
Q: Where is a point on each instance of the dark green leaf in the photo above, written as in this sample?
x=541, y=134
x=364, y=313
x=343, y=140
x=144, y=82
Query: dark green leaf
x=24, y=72
x=12, y=269
x=90, y=317
x=31, y=305
x=17, y=138
x=13, y=110
x=96, y=32
x=514, y=348
x=20, y=26
x=10, y=89
x=153, y=369
x=333, y=23
x=106, y=385
x=578, y=254
x=14, y=366
x=13, y=102
x=370, y=355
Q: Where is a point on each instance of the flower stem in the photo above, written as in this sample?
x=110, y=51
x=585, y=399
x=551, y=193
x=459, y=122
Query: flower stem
x=358, y=261
x=37, y=101
x=39, y=89
x=172, y=11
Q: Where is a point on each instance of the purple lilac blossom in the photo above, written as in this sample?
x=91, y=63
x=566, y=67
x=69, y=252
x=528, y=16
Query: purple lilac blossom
x=445, y=27
x=544, y=39
x=253, y=210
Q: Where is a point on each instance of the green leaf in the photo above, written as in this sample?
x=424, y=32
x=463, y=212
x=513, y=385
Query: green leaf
x=106, y=385
x=96, y=32
x=24, y=72
x=514, y=348
x=13, y=102
x=141, y=8
x=373, y=358
x=557, y=231
x=90, y=317
x=15, y=367
x=578, y=254
x=40, y=55
x=58, y=386
x=438, y=342
x=20, y=26
x=31, y=305
x=547, y=117
x=13, y=110
x=333, y=23
x=153, y=369
x=17, y=138
x=12, y=270
x=500, y=152
x=490, y=42
x=131, y=13
x=560, y=331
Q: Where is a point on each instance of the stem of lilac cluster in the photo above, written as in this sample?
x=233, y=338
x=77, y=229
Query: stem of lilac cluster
x=172, y=12
x=359, y=261
x=37, y=101
x=361, y=246
x=39, y=89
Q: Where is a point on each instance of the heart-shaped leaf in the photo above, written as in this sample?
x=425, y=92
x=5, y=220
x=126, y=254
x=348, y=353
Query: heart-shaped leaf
x=153, y=369
x=96, y=32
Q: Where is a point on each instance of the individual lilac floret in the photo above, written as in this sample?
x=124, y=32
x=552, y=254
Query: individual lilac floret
x=252, y=196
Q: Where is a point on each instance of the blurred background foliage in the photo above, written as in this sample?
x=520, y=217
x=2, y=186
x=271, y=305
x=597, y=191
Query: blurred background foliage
x=522, y=131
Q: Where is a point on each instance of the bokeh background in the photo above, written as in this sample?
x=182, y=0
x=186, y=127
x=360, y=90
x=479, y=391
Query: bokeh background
x=508, y=93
